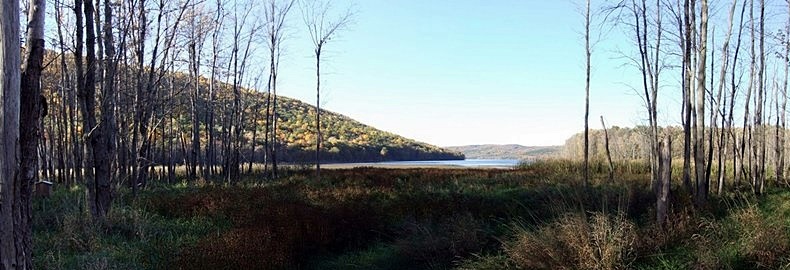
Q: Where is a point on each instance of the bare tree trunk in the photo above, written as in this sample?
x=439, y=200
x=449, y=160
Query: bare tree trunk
x=99, y=185
x=722, y=82
x=782, y=124
x=275, y=19
x=687, y=73
x=318, y=113
x=10, y=187
x=665, y=180
x=323, y=29
x=211, y=153
x=108, y=127
x=699, y=125
x=760, y=164
x=608, y=153
x=30, y=117
x=587, y=96
x=736, y=158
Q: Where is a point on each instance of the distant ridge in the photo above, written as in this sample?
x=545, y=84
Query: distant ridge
x=506, y=151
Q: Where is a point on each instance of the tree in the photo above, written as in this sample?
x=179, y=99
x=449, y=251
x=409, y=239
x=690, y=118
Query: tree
x=781, y=123
x=649, y=65
x=686, y=45
x=587, y=94
x=321, y=30
x=665, y=180
x=701, y=180
x=758, y=182
x=30, y=120
x=275, y=14
x=722, y=82
x=99, y=188
x=196, y=35
x=608, y=153
x=10, y=188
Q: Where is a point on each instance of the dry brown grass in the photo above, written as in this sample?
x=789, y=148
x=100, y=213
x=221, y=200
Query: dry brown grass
x=765, y=241
x=576, y=242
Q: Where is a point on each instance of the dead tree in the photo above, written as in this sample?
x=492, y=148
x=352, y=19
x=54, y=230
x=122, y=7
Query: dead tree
x=736, y=158
x=10, y=188
x=665, y=180
x=649, y=65
x=781, y=123
x=759, y=148
x=702, y=182
x=725, y=53
x=30, y=118
x=587, y=55
x=608, y=153
x=196, y=37
x=321, y=29
x=275, y=15
x=688, y=68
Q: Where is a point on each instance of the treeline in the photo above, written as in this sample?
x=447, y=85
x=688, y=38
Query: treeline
x=632, y=144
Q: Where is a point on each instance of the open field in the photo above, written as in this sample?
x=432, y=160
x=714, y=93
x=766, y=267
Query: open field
x=534, y=217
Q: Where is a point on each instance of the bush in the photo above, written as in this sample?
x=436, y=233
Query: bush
x=436, y=245
x=576, y=242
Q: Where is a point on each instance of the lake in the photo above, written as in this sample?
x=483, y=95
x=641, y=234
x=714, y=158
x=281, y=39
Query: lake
x=467, y=163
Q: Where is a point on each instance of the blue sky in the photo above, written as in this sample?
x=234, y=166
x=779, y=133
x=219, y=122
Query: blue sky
x=464, y=72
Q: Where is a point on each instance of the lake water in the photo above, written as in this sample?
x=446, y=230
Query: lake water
x=467, y=163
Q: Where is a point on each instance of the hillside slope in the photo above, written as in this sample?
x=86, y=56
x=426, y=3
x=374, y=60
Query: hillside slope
x=345, y=139
x=506, y=151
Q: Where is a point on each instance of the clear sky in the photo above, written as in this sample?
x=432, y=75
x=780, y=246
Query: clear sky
x=465, y=71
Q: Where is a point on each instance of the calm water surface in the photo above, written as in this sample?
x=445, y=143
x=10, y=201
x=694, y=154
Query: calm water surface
x=468, y=163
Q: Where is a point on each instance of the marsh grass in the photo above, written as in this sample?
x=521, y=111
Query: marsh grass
x=536, y=216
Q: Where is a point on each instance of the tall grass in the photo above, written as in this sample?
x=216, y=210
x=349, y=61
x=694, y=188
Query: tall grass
x=536, y=216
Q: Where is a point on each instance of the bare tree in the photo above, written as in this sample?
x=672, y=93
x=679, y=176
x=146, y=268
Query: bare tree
x=665, y=180
x=275, y=13
x=725, y=53
x=196, y=35
x=587, y=55
x=30, y=121
x=99, y=189
x=321, y=29
x=686, y=44
x=9, y=135
x=701, y=180
x=736, y=158
x=759, y=151
x=781, y=123
x=608, y=153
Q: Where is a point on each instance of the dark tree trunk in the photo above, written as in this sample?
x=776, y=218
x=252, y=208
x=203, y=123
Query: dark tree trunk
x=30, y=117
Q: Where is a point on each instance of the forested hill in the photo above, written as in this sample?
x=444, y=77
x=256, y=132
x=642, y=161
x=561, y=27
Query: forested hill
x=506, y=151
x=171, y=121
x=345, y=139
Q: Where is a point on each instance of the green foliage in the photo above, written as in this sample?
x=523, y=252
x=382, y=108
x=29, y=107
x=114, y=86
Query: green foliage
x=132, y=238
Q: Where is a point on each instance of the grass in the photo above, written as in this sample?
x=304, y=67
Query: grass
x=536, y=216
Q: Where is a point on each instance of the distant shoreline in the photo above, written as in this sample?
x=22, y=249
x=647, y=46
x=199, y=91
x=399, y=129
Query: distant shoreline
x=448, y=164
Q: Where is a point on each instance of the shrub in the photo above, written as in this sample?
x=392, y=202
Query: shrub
x=576, y=242
x=436, y=245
